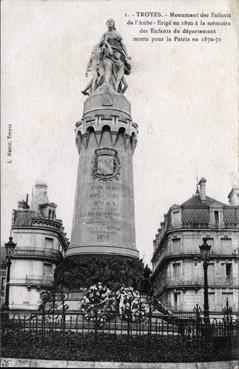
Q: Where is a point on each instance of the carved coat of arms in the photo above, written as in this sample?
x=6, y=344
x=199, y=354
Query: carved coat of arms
x=106, y=164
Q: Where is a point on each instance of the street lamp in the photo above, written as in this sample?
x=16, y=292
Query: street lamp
x=10, y=248
x=205, y=254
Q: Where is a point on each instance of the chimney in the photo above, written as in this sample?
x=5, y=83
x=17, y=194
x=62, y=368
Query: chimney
x=234, y=196
x=39, y=196
x=202, y=190
x=22, y=205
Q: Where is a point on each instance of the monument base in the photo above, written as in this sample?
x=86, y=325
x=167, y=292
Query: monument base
x=114, y=271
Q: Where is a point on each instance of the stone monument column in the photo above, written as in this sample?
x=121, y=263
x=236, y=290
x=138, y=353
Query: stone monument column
x=102, y=245
x=103, y=220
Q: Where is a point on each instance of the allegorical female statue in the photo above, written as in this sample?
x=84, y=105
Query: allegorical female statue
x=109, y=63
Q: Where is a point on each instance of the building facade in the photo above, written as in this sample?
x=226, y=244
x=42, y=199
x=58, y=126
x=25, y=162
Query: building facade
x=40, y=244
x=177, y=265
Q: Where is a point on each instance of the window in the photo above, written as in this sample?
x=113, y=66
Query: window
x=177, y=300
x=211, y=301
x=176, y=242
x=188, y=268
x=3, y=282
x=216, y=218
x=49, y=243
x=228, y=270
x=226, y=245
x=49, y=214
x=175, y=246
x=211, y=273
x=176, y=270
x=176, y=218
x=48, y=270
x=229, y=296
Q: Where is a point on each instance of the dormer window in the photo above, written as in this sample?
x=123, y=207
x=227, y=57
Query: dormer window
x=176, y=217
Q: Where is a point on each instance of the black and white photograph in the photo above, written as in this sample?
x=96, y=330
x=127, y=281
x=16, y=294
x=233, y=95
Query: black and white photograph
x=119, y=191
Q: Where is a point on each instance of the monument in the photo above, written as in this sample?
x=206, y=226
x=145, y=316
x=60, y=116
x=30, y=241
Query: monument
x=102, y=244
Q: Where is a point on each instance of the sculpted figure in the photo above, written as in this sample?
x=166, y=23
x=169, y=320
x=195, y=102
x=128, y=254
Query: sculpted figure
x=95, y=65
x=120, y=76
x=109, y=62
x=116, y=64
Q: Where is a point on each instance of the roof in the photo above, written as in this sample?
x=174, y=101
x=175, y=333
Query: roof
x=234, y=189
x=41, y=183
x=25, y=217
x=52, y=204
x=196, y=201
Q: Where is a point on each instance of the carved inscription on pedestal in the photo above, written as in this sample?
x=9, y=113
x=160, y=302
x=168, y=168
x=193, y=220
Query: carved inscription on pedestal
x=104, y=216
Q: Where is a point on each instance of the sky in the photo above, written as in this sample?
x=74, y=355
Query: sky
x=184, y=98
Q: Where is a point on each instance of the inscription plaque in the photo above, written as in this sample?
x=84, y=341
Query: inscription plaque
x=103, y=216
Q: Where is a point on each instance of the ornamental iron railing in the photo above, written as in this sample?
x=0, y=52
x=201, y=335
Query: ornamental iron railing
x=167, y=253
x=195, y=283
x=198, y=281
x=41, y=281
x=29, y=218
x=37, y=252
x=184, y=282
x=53, y=332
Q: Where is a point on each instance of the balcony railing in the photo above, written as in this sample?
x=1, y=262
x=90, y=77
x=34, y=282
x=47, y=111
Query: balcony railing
x=223, y=281
x=192, y=252
x=40, y=281
x=37, y=252
x=47, y=223
x=198, y=282
x=29, y=218
x=166, y=252
x=184, y=282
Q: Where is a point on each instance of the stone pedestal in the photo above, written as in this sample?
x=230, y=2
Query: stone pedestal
x=103, y=220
